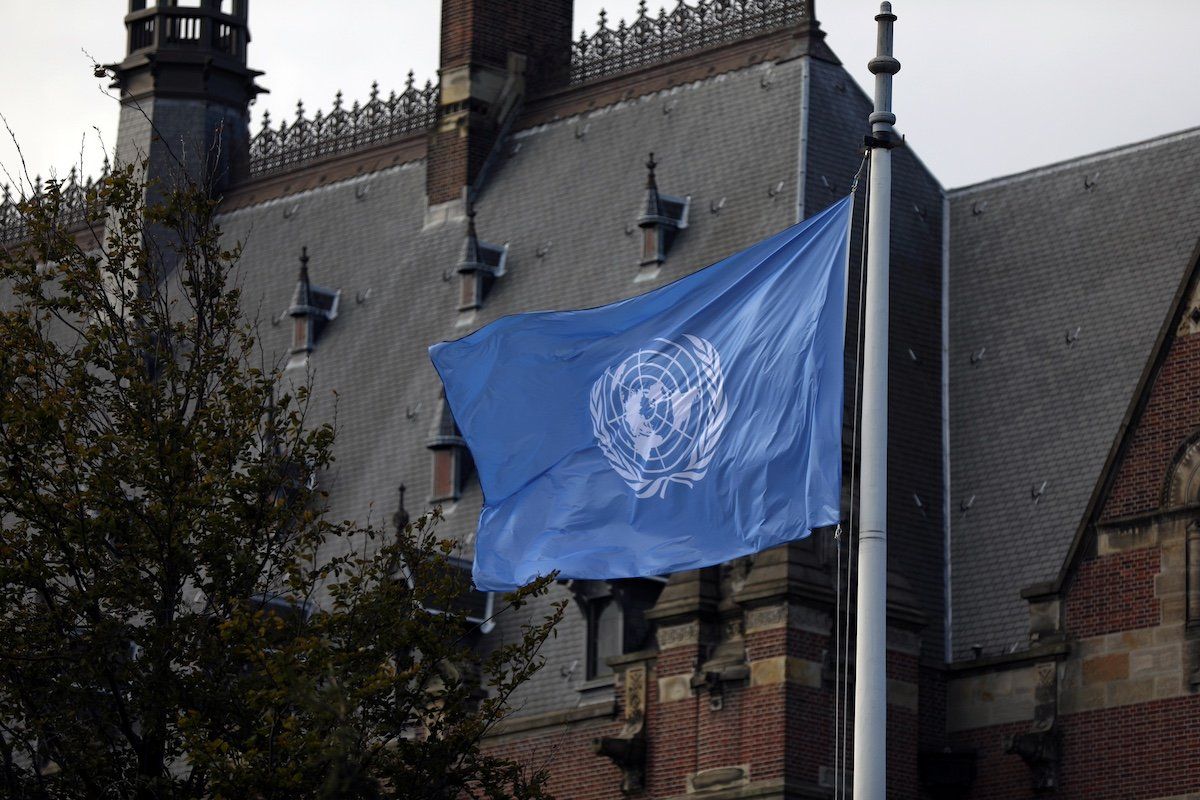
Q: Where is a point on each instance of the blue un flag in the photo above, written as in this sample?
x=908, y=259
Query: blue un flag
x=677, y=429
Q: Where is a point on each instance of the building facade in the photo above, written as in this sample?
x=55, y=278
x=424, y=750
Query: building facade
x=1044, y=572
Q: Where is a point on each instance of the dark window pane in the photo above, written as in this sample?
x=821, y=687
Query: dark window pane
x=444, y=485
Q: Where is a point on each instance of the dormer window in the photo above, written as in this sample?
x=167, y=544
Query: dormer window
x=480, y=265
x=451, y=458
x=615, y=616
x=313, y=307
x=663, y=216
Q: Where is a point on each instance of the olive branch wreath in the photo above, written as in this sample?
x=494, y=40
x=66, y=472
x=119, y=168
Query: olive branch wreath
x=704, y=446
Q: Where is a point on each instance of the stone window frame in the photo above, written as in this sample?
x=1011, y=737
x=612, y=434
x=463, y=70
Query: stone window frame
x=630, y=598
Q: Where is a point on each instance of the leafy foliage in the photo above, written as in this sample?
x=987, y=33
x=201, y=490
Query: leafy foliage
x=178, y=617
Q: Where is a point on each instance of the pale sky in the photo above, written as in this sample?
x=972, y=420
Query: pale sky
x=986, y=88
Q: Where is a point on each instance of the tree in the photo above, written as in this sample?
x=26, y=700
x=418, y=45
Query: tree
x=171, y=624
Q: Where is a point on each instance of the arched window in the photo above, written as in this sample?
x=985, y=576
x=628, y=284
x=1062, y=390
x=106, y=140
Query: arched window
x=1183, y=480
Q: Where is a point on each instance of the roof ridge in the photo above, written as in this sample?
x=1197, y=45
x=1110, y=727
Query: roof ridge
x=287, y=196
x=1087, y=158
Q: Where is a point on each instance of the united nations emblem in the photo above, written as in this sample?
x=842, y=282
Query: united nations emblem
x=659, y=414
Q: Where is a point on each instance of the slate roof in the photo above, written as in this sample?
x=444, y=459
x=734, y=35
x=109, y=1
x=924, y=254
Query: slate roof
x=365, y=237
x=1100, y=243
x=572, y=190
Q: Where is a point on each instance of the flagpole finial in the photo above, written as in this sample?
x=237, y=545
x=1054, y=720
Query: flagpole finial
x=883, y=66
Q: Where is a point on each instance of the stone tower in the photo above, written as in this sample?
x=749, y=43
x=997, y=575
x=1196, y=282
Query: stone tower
x=185, y=90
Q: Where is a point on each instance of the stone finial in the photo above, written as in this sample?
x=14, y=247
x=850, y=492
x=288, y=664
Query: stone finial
x=305, y=286
x=400, y=519
x=470, y=254
x=651, y=208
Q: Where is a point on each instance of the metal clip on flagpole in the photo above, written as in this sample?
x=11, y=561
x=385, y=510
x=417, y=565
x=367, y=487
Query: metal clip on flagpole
x=870, y=686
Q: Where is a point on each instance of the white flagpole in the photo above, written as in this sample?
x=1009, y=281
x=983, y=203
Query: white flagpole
x=870, y=685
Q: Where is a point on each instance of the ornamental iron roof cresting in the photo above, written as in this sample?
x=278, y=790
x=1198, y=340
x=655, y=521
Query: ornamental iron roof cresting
x=687, y=28
x=343, y=130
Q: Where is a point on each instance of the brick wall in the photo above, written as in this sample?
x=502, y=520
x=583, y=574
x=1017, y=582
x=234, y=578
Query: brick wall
x=1142, y=751
x=454, y=159
x=999, y=775
x=671, y=725
x=1113, y=593
x=1136, y=752
x=780, y=729
x=932, y=709
x=484, y=32
x=1171, y=416
x=576, y=773
x=904, y=729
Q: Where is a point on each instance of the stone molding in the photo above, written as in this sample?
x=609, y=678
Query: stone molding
x=990, y=698
x=1111, y=540
x=674, y=687
x=773, y=789
x=1099, y=672
x=685, y=635
x=1183, y=481
x=790, y=615
x=1126, y=668
x=1189, y=322
x=718, y=778
x=592, y=711
x=903, y=694
x=688, y=597
x=765, y=618
x=1036, y=652
x=785, y=669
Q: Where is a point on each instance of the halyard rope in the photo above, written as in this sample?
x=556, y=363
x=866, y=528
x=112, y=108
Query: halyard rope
x=841, y=681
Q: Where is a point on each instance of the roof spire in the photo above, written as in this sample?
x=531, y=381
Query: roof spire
x=400, y=519
x=652, y=208
x=304, y=287
x=470, y=253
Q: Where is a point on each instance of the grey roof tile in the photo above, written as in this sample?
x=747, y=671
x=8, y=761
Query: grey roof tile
x=1033, y=256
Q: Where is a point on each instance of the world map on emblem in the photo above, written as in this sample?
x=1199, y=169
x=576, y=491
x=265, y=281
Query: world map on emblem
x=659, y=413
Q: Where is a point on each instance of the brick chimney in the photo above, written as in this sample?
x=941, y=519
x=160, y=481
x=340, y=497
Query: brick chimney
x=494, y=54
